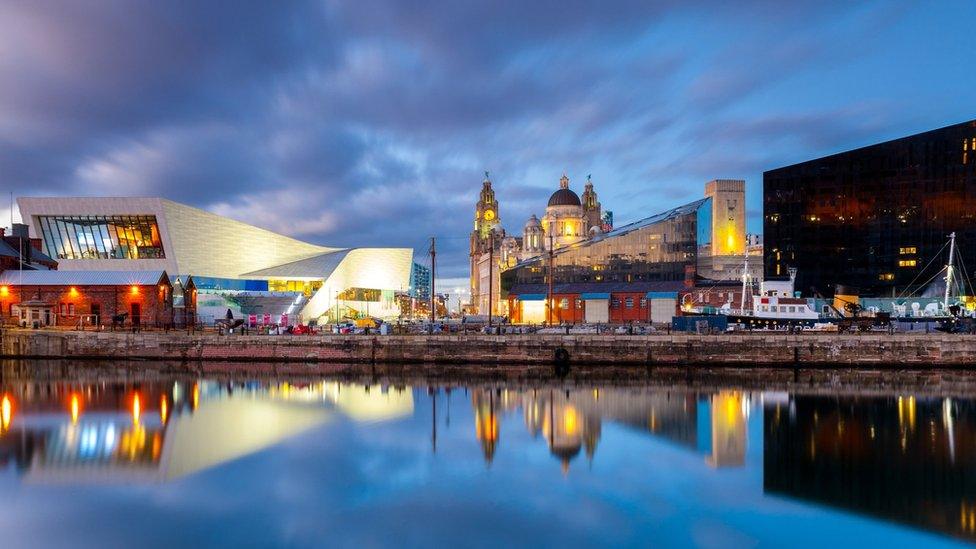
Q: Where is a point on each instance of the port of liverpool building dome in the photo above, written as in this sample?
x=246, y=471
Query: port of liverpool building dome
x=234, y=265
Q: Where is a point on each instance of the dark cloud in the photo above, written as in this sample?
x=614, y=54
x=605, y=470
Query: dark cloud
x=370, y=122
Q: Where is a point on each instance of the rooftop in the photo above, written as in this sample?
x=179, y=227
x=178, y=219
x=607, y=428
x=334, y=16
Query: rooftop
x=83, y=278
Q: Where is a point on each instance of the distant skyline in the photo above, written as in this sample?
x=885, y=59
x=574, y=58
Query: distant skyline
x=371, y=123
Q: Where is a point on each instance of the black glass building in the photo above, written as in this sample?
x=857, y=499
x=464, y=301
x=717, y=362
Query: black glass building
x=876, y=218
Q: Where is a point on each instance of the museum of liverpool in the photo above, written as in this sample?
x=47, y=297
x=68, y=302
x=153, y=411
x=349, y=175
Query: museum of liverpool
x=234, y=265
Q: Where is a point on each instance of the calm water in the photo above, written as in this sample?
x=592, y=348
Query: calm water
x=183, y=461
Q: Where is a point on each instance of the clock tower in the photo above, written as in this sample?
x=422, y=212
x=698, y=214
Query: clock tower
x=485, y=221
x=485, y=217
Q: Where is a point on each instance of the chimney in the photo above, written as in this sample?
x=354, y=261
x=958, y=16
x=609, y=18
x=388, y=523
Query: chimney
x=19, y=230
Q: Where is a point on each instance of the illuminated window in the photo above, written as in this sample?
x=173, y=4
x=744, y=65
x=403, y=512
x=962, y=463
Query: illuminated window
x=908, y=250
x=907, y=262
x=101, y=237
x=564, y=303
x=886, y=276
x=643, y=303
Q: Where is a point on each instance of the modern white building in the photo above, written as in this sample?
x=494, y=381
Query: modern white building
x=230, y=261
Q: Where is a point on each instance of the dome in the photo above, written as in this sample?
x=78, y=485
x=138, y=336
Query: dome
x=533, y=223
x=564, y=197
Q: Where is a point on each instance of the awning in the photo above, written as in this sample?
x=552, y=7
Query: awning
x=662, y=295
x=531, y=297
x=596, y=295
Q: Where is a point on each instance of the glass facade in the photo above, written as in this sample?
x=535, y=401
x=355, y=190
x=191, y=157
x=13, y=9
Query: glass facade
x=101, y=237
x=659, y=248
x=876, y=219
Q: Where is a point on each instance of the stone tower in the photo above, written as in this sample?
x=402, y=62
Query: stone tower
x=485, y=217
x=728, y=216
x=592, y=212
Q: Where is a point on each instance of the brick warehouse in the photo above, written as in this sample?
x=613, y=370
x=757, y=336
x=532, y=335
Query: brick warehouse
x=86, y=298
x=615, y=303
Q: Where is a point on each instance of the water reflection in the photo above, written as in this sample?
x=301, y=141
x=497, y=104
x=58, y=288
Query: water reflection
x=109, y=432
x=907, y=458
x=570, y=421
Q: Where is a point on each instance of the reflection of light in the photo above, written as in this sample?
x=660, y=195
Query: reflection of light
x=195, y=398
x=163, y=409
x=136, y=408
x=570, y=420
x=109, y=440
x=906, y=412
x=75, y=408
x=6, y=412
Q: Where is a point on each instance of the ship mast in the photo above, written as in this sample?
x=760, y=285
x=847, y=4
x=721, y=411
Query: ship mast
x=745, y=282
x=948, y=278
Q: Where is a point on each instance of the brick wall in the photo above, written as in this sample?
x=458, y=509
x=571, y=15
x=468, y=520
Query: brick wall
x=71, y=303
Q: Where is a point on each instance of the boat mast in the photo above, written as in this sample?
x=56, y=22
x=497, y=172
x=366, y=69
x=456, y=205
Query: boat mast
x=948, y=278
x=745, y=282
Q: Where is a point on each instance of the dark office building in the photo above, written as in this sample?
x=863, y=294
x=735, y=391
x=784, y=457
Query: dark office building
x=875, y=218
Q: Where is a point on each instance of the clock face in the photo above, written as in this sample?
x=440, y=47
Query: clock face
x=489, y=215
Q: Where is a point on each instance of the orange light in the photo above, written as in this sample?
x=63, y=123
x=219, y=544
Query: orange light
x=195, y=395
x=134, y=290
x=6, y=412
x=136, y=409
x=163, y=409
x=4, y=290
x=73, y=291
x=75, y=407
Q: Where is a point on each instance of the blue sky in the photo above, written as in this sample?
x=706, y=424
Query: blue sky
x=371, y=122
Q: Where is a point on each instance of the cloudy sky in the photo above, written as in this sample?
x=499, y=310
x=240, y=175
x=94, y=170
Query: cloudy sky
x=370, y=122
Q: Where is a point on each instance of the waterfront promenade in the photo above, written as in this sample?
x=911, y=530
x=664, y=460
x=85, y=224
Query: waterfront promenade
x=749, y=349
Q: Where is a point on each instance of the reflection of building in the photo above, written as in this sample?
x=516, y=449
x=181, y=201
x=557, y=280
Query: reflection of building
x=898, y=458
x=571, y=422
x=728, y=429
x=156, y=432
x=611, y=277
x=873, y=218
x=486, y=422
x=240, y=266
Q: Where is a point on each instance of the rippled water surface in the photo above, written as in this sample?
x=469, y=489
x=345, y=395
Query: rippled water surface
x=180, y=461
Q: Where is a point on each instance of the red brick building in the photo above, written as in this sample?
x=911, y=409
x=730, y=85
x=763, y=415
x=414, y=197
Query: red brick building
x=600, y=303
x=615, y=303
x=86, y=298
x=12, y=246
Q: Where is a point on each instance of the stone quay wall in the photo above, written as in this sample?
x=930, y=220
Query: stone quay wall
x=870, y=350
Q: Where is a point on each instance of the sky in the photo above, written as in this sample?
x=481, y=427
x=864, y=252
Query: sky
x=371, y=123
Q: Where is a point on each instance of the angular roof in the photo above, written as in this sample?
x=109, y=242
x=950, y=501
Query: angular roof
x=83, y=278
x=318, y=266
x=7, y=250
x=691, y=207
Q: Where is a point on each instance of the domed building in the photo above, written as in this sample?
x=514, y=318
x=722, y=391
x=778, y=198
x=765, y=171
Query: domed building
x=568, y=219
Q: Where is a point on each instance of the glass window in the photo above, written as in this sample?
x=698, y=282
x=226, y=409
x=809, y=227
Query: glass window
x=629, y=302
x=102, y=237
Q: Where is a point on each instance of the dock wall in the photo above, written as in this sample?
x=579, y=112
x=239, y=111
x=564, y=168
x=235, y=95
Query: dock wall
x=733, y=350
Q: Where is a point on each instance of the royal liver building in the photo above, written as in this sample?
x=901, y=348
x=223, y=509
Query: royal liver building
x=568, y=219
